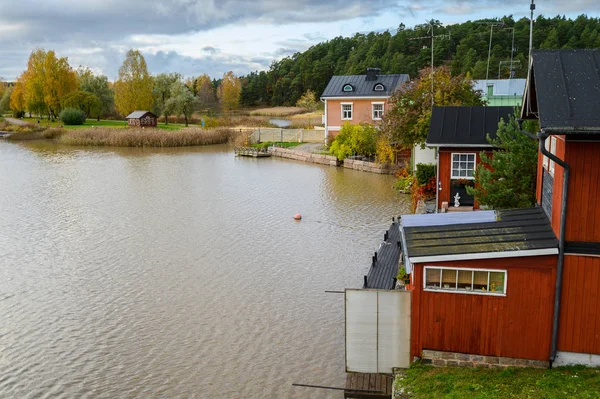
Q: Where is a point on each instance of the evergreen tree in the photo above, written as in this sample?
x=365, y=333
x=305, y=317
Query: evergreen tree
x=507, y=178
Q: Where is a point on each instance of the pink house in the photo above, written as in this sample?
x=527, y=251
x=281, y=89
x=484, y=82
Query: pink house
x=358, y=98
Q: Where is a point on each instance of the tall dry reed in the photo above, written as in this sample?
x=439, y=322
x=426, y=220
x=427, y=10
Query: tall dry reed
x=146, y=137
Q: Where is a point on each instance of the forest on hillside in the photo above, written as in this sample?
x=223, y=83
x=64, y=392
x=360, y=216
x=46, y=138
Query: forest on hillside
x=463, y=46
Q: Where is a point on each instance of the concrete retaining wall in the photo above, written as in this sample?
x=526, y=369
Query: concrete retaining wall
x=369, y=167
x=304, y=156
x=439, y=358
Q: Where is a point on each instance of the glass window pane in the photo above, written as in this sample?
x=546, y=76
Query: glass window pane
x=463, y=165
x=470, y=173
x=463, y=157
x=455, y=158
x=449, y=279
x=497, y=282
x=472, y=157
x=480, y=281
x=465, y=279
x=463, y=173
x=432, y=278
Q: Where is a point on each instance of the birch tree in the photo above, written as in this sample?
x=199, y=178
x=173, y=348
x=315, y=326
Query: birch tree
x=229, y=91
x=133, y=88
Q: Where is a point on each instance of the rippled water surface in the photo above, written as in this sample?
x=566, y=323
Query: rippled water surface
x=178, y=273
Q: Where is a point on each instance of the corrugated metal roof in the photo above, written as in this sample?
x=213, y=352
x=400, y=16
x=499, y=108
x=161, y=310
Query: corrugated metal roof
x=382, y=274
x=501, y=87
x=564, y=90
x=137, y=114
x=511, y=230
x=363, y=87
x=465, y=125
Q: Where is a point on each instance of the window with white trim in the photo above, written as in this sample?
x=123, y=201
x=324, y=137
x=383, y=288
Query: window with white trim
x=467, y=281
x=346, y=111
x=377, y=111
x=347, y=88
x=463, y=166
x=379, y=87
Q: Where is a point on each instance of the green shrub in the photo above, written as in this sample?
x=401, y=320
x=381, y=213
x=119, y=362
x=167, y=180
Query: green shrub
x=424, y=173
x=355, y=139
x=72, y=116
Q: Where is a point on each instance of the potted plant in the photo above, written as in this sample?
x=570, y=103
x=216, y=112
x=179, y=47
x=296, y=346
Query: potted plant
x=403, y=276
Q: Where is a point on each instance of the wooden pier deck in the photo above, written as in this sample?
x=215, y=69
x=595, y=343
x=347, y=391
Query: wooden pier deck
x=251, y=152
x=384, y=266
x=368, y=386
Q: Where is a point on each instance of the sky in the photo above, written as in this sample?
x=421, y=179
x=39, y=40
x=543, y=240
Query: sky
x=193, y=37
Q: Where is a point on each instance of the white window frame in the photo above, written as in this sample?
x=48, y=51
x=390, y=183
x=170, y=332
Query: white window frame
x=347, y=85
x=378, y=85
x=470, y=292
x=452, y=165
x=342, y=111
x=373, y=110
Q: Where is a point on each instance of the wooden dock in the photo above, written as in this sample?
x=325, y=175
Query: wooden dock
x=368, y=386
x=384, y=265
x=251, y=152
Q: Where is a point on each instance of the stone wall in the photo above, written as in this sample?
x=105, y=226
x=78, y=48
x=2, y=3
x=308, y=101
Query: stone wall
x=369, y=167
x=439, y=358
x=304, y=156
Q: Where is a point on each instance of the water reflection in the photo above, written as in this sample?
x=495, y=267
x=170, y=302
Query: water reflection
x=178, y=272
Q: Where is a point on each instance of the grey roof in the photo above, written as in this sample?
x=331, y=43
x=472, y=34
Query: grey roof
x=465, y=125
x=382, y=274
x=501, y=87
x=138, y=114
x=563, y=90
x=363, y=87
x=510, y=230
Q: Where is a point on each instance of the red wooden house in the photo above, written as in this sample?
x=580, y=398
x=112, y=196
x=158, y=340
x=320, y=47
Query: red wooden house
x=521, y=287
x=460, y=134
x=141, y=119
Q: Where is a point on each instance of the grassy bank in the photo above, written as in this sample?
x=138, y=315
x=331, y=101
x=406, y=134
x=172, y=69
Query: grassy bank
x=267, y=144
x=455, y=382
x=46, y=124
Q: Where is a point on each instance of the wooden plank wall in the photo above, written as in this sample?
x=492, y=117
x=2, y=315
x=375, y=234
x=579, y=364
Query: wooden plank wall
x=445, y=160
x=518, y=325
x=583, y=209
x=579, y=328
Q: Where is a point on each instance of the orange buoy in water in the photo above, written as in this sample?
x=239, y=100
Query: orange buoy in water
x=297, y=216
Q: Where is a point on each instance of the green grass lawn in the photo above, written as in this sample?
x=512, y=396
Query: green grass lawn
x=482, y=383
x=279, y=144
x=100, y=123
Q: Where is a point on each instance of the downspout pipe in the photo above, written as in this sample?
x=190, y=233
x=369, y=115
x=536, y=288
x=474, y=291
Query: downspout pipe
x=561, y=241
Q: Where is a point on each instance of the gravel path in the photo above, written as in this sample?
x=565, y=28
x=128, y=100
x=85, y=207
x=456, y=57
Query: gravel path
x=15, y=121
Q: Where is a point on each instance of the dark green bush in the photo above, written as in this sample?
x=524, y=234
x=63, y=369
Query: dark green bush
x=72, y=116
x=424, y=173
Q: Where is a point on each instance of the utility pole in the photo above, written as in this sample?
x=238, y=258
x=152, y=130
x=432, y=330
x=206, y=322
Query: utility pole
x=430, y=36
x=491, y=24
x=512, y=50
x=532, y=8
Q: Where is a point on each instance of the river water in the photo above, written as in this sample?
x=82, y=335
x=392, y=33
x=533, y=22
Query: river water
x=132, y=273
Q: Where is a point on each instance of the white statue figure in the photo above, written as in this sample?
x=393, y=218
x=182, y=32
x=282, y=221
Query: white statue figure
x=456, y=202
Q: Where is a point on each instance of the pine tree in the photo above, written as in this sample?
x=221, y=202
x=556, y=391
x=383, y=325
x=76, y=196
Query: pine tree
x=507, y=178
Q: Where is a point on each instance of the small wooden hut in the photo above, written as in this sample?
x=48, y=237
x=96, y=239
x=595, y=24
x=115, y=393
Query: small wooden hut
x=142, y=119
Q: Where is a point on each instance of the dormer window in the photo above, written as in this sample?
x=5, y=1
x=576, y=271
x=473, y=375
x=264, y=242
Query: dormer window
x=379, y=87
x=348, y=88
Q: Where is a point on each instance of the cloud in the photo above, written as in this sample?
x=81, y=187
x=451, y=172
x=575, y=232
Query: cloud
x=214, y=36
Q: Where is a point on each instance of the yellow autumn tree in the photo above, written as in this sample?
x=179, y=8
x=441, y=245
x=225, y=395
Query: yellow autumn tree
x=34, y=82
x=229, y=91
x=60, y=80
x=17, y=97
x=133, y=88
x=204, y=91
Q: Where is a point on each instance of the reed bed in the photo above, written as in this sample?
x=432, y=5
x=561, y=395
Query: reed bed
x=115, y=137
x=278, y=111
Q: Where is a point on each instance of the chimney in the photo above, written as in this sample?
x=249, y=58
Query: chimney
x=372, y=74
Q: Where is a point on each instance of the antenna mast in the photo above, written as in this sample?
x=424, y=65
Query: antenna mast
x=532, y=8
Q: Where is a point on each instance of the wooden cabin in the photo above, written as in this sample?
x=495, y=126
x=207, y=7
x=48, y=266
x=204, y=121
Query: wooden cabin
x=563, y=94
x=521, y=287
x=142, y=119
x=460, y=135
